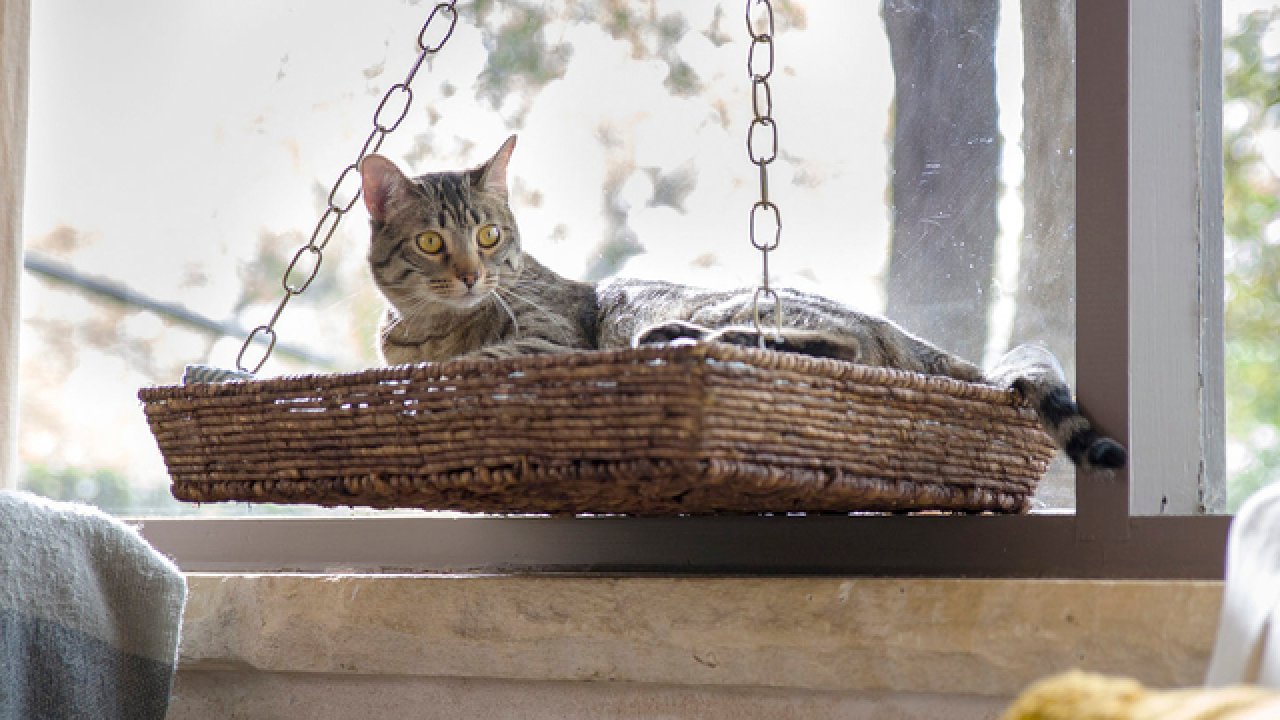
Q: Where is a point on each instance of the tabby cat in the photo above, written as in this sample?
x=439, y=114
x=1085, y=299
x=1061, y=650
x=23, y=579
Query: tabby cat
x=446, y=255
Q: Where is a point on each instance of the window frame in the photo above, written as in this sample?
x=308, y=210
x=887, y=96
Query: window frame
x=1175, y=258
x=15, y=21
x=1149, y=248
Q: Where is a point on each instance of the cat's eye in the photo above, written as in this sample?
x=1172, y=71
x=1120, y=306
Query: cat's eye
x=488, y=236
x=430, y=242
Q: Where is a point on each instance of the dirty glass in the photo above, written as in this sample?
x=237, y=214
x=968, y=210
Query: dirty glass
x=181, y=152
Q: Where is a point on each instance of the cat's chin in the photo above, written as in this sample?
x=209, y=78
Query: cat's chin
x=464, y=302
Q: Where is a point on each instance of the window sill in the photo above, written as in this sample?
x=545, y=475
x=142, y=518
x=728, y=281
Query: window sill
x=930, y=638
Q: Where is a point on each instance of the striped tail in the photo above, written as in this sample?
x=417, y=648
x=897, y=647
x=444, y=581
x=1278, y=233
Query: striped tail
x=1035, y=373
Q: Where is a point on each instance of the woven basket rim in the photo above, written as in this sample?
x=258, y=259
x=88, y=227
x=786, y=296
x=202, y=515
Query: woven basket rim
x=690, y=355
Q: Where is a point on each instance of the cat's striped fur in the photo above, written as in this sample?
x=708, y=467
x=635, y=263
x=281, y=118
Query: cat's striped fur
x=452, y=291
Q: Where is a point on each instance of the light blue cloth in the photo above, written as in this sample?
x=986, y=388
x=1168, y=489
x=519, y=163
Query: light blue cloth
x=89, y=615
x=210, y=374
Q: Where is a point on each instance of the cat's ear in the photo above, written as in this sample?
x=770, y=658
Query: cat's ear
x=381, y=182
x=492, y=176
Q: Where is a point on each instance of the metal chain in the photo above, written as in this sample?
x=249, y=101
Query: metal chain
x=435, y=32
x=763, y=129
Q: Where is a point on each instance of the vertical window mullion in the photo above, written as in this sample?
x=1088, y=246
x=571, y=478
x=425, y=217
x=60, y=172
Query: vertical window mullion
x=15, y=28
x=1102, y=252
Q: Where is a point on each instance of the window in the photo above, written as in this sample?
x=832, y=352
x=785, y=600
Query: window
x=646, y=185
x=1251, y=59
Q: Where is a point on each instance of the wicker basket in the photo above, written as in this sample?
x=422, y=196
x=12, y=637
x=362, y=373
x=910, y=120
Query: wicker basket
x=697, y=429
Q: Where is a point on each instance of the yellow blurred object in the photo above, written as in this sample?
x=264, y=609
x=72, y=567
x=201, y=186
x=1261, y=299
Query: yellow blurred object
x=1084, y=696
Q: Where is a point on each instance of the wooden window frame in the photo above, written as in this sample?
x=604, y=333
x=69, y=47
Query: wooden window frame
x=1149, y=364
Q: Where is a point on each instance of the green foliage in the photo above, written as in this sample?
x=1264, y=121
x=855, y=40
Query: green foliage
x=519, y=56
x=1252, y=225
x=521, y=59
x=107, y=489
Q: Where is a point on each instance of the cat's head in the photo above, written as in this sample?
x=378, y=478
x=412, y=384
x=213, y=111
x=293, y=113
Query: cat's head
x=446, y=237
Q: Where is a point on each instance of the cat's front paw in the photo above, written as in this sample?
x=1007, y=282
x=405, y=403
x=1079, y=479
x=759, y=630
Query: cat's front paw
x=815, y=343
x=672, y=332
x=749, y=337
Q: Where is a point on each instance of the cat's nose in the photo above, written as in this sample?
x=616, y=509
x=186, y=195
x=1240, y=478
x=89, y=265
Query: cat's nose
x=469, y=278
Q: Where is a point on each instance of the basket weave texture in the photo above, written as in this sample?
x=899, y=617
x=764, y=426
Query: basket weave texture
x=697, y=429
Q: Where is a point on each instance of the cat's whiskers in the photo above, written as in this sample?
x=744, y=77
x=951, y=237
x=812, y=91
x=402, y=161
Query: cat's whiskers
x=514, y=322
x=418, y=303
x=531, y=303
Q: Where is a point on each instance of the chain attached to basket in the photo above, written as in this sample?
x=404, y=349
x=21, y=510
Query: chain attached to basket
x=391, y=111
x=760, y=62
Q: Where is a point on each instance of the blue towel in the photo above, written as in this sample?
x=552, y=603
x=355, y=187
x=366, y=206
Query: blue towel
x=89, y=615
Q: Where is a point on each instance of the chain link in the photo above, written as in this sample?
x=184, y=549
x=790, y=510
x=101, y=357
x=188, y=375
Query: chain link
x=765, y=222
x=435, y=32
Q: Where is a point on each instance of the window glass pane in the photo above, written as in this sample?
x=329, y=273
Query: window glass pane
x=1251, y=144
x=182, y=151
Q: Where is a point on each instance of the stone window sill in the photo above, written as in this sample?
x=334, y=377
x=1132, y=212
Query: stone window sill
x=931, y=637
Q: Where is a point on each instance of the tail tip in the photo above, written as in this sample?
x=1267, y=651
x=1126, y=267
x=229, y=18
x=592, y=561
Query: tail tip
x=1106, y=453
